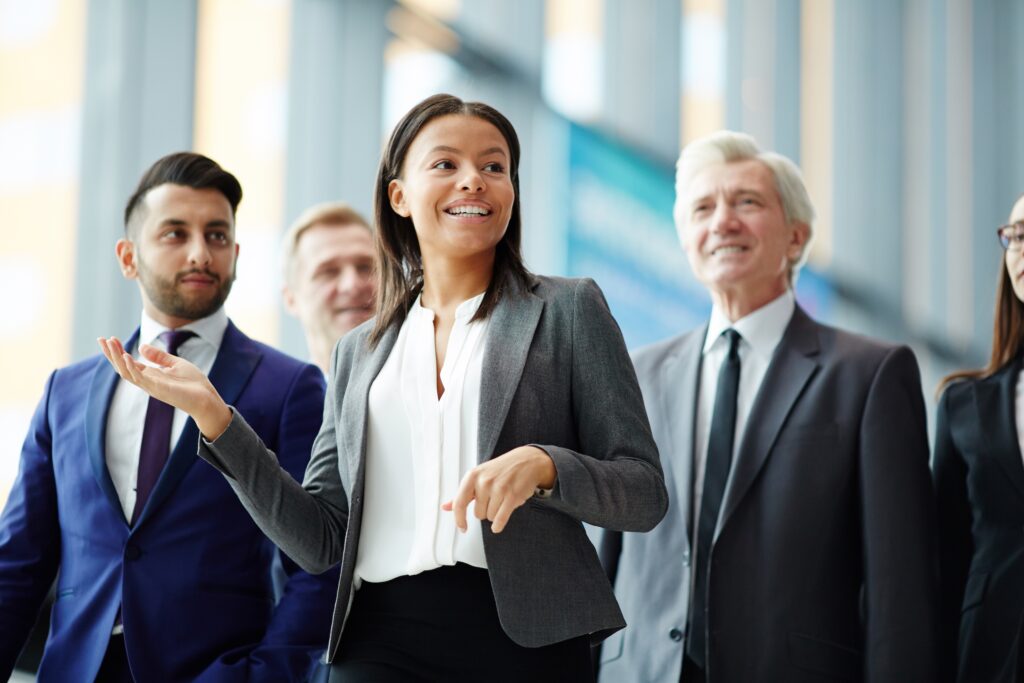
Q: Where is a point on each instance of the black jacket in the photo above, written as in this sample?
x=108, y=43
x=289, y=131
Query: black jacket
x=979, y=482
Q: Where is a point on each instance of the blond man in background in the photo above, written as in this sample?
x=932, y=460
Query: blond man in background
x=328, y=275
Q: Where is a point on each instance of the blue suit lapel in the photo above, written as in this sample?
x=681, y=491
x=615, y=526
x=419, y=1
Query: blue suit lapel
x=791, y=368
x=509, y=336
x=236, y=360
x=996, y=401
x=101, y=392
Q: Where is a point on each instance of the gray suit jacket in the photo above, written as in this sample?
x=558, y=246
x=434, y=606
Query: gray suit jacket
x=822, y=562
x=555, y=374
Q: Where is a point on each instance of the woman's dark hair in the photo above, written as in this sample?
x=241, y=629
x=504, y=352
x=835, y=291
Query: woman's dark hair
x=1007, y=332
x=399, y=263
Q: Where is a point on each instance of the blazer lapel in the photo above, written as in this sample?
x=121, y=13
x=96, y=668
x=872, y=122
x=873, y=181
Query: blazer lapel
x=101, y=393
x=792, y=366
x=357, y=395
x=680, y=386
x=509, y=335
x=996, y=401
x=236, y=360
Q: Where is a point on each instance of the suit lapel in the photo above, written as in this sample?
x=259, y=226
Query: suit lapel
x=357, y=394
x=791, y=368
x=679, y=391
x=509, y=336
x=101, y=393
x=996, y=401
x=236, y=360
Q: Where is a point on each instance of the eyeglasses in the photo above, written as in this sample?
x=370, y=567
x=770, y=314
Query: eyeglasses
x=1011, y=237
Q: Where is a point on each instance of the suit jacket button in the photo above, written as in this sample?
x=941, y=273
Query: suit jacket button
x=132, y=552
x=686, y=558
x=675, y=634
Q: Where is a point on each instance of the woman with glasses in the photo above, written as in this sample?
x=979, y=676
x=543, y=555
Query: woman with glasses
x=979, y=481
x=469, y=429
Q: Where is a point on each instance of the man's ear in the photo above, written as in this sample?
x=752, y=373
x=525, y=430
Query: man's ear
x=798, y=240
x=396, y=195
x=126, y=258
x=682, y=235
x=289, y=300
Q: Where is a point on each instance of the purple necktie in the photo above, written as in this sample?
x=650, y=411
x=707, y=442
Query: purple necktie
x=156, y=434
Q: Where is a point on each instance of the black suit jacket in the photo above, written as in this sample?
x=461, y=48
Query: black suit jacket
x=979, y=481
x=823, y=562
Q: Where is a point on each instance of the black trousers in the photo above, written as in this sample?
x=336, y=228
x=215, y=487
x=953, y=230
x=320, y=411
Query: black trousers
x=1020, y=656
x=114, y=668
x=691, y=672
x=442, y=625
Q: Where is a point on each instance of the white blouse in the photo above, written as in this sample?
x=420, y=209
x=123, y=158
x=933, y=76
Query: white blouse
x=418, y=449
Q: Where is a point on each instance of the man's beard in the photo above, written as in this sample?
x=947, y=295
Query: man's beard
x=168, y=300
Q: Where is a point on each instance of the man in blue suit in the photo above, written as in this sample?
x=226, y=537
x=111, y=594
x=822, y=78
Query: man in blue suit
x=161, y=574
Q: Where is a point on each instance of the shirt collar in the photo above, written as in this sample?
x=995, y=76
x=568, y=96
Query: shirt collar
x=463, y=312
x=210, y=329
x=762, y=329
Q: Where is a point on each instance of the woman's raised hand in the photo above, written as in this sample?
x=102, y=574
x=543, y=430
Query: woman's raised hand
x=172, y=380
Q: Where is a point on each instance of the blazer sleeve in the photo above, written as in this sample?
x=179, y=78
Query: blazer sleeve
x=898, y=526
x=29, y=538
x=956, y=546
x=308, y=520
x=297, y=632
x=615, y=481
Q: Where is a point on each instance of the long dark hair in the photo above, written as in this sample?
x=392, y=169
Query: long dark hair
x=1007, y=332
x=399, y=263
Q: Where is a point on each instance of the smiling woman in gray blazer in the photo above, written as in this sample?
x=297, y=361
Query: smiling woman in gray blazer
x=468, y=431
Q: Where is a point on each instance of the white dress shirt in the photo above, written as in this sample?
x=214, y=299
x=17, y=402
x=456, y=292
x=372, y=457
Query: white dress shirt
x=127, y=415
x=419, y=447
x=760, y=332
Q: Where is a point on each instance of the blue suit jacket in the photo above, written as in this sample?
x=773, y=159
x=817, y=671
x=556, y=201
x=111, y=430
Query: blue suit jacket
x=193, y=576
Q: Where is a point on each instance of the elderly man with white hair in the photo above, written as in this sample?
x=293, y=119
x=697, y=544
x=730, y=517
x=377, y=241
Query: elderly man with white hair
x=799, y=543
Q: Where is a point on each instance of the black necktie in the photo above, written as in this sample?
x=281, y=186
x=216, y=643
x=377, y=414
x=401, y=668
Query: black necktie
x=156, y=434
x=716, y=474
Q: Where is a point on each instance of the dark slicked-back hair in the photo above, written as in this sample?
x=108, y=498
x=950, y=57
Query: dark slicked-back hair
x=188, y=169
x=399, y=263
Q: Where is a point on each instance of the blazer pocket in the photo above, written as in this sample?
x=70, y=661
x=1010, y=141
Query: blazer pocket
x=798, y=433
x=825, y=657
x=974, y=591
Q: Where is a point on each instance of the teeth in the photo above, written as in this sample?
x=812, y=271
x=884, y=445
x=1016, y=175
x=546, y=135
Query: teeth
x=728, y=250
x=468, y=211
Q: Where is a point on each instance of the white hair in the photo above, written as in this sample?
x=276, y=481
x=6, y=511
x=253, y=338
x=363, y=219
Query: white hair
x=726, y=146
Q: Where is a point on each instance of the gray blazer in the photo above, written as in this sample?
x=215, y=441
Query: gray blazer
x=556, y=374
x=822, y=563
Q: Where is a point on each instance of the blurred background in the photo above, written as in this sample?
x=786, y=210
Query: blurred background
x=905, y=116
